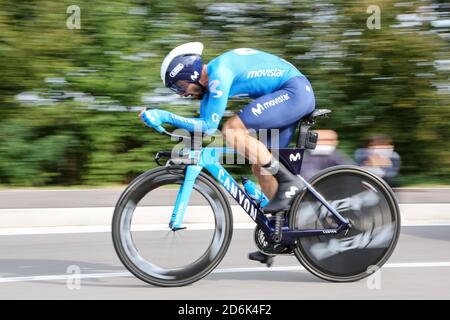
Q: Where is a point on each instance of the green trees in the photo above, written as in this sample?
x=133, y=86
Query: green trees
x=62, y=91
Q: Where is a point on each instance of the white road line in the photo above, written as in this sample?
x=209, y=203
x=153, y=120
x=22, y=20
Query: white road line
x=65, y=277
x=22, y=221
x=418, y=264
x=156, y=227
x=97, y=229
x=425, y=224
x=300, y=268
x=444, y=264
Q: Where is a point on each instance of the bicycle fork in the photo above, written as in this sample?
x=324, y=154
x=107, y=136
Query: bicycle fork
x=176, y=220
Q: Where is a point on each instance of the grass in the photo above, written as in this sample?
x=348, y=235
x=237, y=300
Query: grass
x=423, y=181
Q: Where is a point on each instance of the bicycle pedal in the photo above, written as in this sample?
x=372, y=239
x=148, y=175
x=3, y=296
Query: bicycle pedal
x=261, y=257
x=179, y=228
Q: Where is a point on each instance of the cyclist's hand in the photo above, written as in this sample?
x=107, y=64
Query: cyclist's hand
x=151, y=118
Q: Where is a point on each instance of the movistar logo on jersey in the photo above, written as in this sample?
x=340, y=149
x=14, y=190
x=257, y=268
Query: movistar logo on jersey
x=266, y=105
x=265, y=73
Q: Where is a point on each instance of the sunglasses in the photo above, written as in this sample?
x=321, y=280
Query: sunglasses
x=180, y=86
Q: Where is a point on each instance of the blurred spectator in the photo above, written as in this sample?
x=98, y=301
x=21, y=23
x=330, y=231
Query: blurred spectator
x=380, y=158
x=324, y=155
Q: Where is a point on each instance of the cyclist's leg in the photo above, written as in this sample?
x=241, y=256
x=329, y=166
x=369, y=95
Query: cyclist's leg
x=285, y=108
x=280, y=109
x=238, y=137
x=267, y=181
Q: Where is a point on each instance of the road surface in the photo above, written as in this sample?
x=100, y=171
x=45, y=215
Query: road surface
x=40, y=267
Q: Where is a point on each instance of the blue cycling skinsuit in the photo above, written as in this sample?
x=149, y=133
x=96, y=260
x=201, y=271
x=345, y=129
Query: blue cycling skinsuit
x=283, y=95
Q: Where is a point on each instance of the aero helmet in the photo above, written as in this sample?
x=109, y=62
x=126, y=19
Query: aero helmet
x=182, y=66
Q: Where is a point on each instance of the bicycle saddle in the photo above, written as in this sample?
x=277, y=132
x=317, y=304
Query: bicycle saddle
x=317, y=114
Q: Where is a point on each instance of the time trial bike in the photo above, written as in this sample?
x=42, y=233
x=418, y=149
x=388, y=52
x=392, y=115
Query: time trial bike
x=173, y=224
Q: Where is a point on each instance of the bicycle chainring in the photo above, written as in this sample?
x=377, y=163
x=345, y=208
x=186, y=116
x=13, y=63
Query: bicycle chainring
x=267, y=246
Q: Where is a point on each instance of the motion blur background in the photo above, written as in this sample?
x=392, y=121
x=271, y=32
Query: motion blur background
x=69, y=97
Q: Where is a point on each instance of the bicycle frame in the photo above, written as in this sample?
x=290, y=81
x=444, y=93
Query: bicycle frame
x=209, y=159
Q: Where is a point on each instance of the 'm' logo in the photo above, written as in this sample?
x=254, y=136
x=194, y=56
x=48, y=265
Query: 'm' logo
x=176, y=70
x=295, y=157
x=291, y=192
x=213, y=88
x=195, y=76
x=258, y=110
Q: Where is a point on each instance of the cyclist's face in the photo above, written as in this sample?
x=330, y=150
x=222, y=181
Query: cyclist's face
x=194, y=90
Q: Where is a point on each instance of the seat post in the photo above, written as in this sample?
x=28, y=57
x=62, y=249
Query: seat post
x=305, y=123
x=304, y=128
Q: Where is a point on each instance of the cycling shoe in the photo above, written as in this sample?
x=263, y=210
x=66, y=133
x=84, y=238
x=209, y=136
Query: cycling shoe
x=289, y=185
x=261, y=257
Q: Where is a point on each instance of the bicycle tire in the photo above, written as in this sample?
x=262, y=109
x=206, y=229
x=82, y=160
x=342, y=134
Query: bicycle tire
x=302, y=250
x=137, y=190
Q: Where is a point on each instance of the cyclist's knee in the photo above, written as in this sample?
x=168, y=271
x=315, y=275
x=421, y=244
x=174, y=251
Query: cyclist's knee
x=256, y=169
x=233, y=126
x=234, y=123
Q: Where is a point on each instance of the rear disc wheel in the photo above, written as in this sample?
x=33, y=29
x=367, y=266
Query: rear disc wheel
x=370, y=206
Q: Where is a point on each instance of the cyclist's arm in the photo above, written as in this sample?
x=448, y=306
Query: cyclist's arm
x=190, y=124
x=212, y=106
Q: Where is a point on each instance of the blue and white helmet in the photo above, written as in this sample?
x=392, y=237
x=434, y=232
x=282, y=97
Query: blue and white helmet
x=182, y=66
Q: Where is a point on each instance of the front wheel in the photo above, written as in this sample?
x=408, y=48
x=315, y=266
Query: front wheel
x=370, y=206
x=152, y=251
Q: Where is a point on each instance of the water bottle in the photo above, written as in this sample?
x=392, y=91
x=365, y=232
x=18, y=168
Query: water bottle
x=254, y=192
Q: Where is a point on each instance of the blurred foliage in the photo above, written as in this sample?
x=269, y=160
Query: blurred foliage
x=64, y=93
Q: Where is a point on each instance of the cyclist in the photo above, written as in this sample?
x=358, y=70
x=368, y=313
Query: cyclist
x=282, y=96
